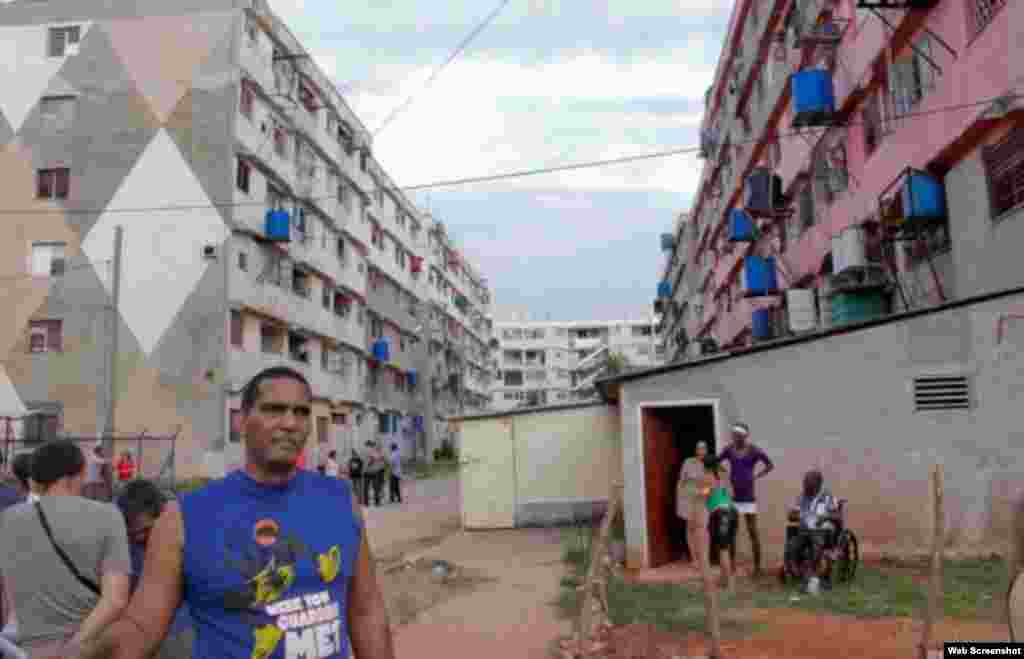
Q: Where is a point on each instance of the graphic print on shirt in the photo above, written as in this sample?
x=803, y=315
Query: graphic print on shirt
x=309, y=624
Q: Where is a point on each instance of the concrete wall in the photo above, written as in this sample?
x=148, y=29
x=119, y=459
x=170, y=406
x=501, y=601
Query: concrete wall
x=844, y=403
x=550, y=466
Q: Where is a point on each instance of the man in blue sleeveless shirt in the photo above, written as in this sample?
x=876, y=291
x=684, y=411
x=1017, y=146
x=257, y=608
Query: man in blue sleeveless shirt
x=273, y=561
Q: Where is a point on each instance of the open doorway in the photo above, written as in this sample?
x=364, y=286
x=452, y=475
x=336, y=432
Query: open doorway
x=670, y=433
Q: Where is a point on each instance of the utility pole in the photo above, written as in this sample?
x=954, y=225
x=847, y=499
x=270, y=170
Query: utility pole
x=115, y=322
x=427, y=382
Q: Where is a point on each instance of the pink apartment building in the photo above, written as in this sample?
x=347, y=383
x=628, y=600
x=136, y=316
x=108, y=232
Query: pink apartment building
x=857, y=161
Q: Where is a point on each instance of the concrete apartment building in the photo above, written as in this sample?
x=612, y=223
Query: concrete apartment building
x=550, y=363
x=258, y=229
x=858, y=162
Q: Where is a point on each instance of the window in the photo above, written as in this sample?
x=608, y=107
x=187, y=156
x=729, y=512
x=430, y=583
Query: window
x=64, y=40
x=46, y=336
x=376, y=328
x=57, y=112
x=47, y=259
x=246, y=99
x=236, y=328
x=271, y=339
x=243, y=261
x=280, y=140
x=806, y=207
x=911, y=77
x=308, y=98
x=332, y=124
x=981, y=13
x=871, y=119
x=1004, y=165
x=242, y=177
x=345, y=197
x=399, y=256
x=298, y=348
x=53, y=183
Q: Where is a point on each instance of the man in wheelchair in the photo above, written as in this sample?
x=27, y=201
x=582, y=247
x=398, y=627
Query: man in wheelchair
x=807, y=552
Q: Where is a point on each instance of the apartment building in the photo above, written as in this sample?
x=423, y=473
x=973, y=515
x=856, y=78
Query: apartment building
x=547, y=363
x=258, y=230
x=858, y=161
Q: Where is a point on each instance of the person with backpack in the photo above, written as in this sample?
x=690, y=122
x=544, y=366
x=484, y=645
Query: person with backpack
x=356, y=476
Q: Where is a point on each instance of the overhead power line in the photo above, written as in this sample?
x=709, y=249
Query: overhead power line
x=451, y=58
x=592, y=164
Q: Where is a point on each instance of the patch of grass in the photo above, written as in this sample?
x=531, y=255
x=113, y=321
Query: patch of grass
x=972, y=588
x=436, y=469
x=873, y=594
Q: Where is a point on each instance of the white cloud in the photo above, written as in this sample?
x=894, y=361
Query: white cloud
x=458, y=128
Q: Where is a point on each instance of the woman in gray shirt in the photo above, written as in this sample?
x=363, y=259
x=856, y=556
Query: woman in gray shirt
x=57, y=610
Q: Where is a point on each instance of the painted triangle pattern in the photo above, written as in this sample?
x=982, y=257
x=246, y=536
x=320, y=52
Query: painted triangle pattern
x=10, y=401
x=162, y=256
x=26, y=69
x=162, y=54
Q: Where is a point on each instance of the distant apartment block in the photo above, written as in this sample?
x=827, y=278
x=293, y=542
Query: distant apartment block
x=547, y=363
x=259, y=230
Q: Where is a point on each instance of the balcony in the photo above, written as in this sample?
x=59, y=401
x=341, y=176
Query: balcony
x=243, y=365
x=578, y=343
x=384, y=394
x=344, y=271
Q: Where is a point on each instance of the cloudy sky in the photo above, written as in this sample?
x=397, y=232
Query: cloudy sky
x=549, y=82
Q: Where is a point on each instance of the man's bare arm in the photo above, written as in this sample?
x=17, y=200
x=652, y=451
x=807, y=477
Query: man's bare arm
x=151, y=609
x=115, y=589
x=368, y=625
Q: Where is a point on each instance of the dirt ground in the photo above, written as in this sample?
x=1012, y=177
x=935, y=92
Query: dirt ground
x=797, y=634
x=412, y=588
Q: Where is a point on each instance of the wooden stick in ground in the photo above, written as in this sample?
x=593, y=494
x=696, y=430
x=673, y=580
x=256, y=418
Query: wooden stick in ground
x=712, y=618
x=598, y=549
x=933, y=610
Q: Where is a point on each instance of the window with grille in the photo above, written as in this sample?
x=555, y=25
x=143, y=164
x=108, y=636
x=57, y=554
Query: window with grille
x=247, y=99
x=64, y=40
x=806, y=206
x=981, y=12
x=936, y=393
x=48, y=259
x=1004, y=164
x=912, y=76
x=53, y=183
x=46, y=336
x=242, y=176
x=236, y=329
x=871, y=119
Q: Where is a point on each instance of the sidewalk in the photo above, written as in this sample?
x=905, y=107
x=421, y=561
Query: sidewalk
x=512, y=618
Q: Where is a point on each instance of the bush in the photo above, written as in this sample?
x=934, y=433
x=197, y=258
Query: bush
x=446, y=452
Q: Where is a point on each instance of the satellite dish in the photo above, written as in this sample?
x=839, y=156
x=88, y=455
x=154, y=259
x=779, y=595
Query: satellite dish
x=1015, y=607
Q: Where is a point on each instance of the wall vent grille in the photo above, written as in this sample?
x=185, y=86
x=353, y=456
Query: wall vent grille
x=933, y=393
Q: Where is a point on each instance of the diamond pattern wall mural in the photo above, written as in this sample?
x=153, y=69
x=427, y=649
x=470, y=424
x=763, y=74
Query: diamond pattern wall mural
x=162, y=259
x=10, y=401
x=162, y=54
x=26, y=69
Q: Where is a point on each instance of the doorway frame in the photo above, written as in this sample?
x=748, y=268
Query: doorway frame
x=715, y=405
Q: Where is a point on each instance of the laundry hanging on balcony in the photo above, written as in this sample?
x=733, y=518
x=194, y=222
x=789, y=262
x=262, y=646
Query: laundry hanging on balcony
x=416, y=264
x=412, y=377
x=278, y=226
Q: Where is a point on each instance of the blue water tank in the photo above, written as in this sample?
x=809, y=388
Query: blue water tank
x=668, y=241
x=278, y=226
x=760, y=275
x=664, y=289
x=412, y=378
x=763, y=192
x=741, y=226
x=761, y=324
x=924, y=198
x=814, y=98
x=381, y=350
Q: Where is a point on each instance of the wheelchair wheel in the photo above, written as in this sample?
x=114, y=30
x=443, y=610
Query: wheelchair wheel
x=848, y=557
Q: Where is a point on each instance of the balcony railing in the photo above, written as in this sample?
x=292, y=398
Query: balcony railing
x=243, y=365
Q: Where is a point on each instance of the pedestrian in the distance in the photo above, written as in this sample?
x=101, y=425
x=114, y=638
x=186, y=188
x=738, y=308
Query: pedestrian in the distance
x=125, y=468
x=356, y=475
x=376, y=465
x=743, y=457
x=331, y=466
x=396, y=475
x=95, y=485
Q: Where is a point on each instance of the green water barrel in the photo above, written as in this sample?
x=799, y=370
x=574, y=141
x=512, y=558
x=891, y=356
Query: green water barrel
x=858, y=307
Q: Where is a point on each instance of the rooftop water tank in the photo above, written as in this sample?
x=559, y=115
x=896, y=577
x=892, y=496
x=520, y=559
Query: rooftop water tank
x=858, y=307
x=800, y=304
x=761, y=324
x=924, y=197
x=668, y=242
x=278, y=226
x=814, y=99
x=381, y=350
x=664, y=289
x=759, y=275
x=763, y=192
x=741, y=226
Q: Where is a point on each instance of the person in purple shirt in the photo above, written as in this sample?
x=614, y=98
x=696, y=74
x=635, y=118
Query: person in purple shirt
x=743, y=457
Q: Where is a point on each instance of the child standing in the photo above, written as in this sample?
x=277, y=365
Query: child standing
x=723, y=518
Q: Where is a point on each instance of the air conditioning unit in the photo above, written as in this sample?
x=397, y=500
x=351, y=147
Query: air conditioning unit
x=209, y=251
